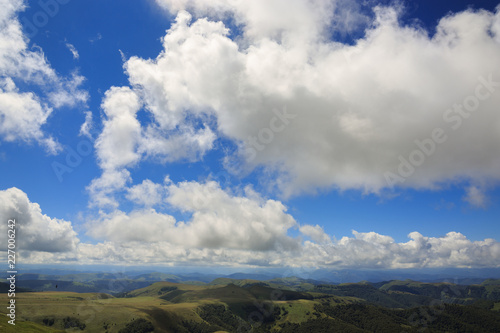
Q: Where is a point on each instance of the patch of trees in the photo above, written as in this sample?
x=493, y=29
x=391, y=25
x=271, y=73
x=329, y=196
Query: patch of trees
x=366, y=317
x=140, y=325
x=71, y=322
x=48, y=321
x=196, y=327
x=216, y=318
x=4, y=288
x=66, y=322
x=370, y=294
x=166, y=289
x=322, y=325
x=370, y=318
x=484, y=304
x=218, y=315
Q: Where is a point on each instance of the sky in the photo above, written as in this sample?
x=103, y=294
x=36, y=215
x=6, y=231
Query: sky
x=326, y=133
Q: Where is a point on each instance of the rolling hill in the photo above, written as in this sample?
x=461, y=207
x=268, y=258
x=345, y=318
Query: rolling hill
x=249, y=305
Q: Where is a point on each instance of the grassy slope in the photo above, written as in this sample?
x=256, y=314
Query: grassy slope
x=168, y=304
x=101, y=311
x=93, y=310
x=155, y=288
x=24, y=326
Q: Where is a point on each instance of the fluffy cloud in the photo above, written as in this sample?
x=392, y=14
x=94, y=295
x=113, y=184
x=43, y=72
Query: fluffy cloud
x=219, y=220
x=23, y=116
x=399, y=108
x=23, y=113
x=316, y=233
x=124, y=141
x=102, y=189
x=147, y=193
x=362, y=112
x=117, y=144
x=34, y=230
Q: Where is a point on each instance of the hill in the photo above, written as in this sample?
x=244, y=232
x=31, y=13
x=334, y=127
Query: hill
x=276, y=305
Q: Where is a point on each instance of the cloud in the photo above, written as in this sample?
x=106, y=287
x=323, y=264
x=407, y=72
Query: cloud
x=360, y=109
x=22, y=112
x=97, y=38
x=496, y=25
x=117, y=144
x=87, y=125
x=124, y=141
x=283, y=20
x=73, y=51
x=225, y=229
x=103, y=189
x=147, y=193
x=451, y=250
x=219, y=220
x=476, y=197
x=316, y=233
x=245, y=229
x=22, y=116
x=34, y=230
x=372, y=250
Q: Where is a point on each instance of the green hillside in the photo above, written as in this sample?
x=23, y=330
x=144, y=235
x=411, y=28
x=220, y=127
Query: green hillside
x=279, y=305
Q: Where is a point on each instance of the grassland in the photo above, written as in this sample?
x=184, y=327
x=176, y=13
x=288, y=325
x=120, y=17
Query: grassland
x=96, y=311
x=226, y=304
x=167, y=305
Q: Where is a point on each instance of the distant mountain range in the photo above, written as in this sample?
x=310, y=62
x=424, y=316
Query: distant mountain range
x=122, y=282
x=457, y=276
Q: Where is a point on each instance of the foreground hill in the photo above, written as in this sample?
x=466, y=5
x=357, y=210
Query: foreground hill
x=278, y=305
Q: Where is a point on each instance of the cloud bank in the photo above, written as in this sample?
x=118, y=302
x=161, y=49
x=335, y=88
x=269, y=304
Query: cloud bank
x=227, y=229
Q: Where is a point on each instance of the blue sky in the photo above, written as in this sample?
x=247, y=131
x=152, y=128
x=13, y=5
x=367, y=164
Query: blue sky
x=171, y=110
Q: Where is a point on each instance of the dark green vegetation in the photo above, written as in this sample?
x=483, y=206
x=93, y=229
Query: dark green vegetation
x=369, y=318
x=138, y=326
x=277, y=305
x=4, y=288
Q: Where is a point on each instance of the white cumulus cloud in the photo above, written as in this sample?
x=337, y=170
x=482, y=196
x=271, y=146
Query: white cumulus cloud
x=219, y=220
x=35, y=231
x=147, y=193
